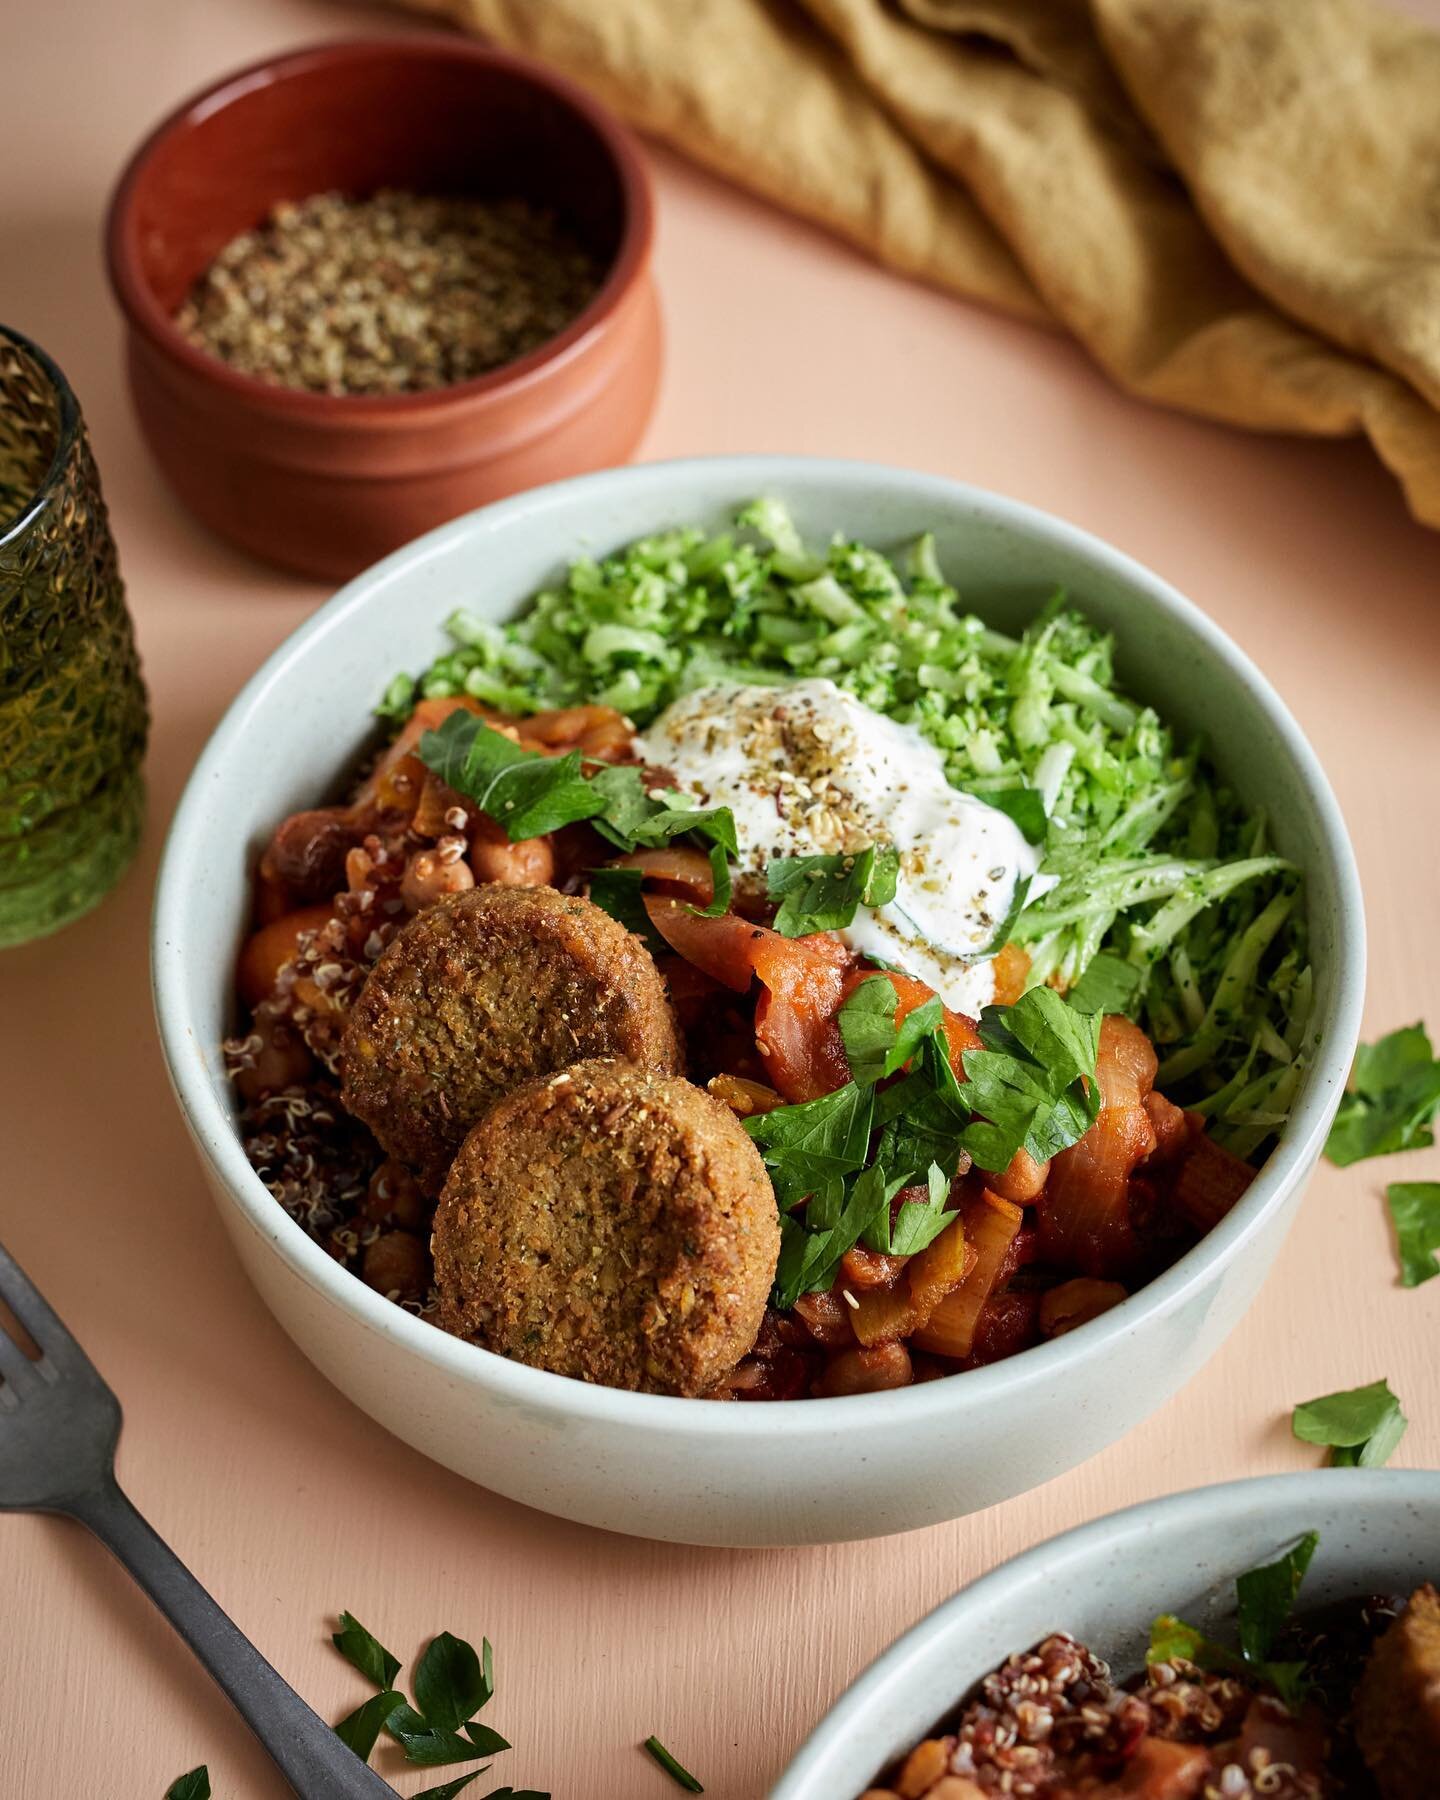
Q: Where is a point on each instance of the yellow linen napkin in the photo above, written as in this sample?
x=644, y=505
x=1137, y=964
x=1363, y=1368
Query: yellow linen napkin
x=1233, y=204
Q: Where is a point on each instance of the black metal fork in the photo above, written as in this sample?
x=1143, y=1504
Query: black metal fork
x=59, y=1424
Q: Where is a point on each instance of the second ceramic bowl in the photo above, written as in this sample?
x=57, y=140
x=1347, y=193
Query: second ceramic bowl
x=801, y=1471
x=1104, y=1583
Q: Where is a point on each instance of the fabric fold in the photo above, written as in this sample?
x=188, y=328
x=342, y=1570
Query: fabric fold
x=1230, y=203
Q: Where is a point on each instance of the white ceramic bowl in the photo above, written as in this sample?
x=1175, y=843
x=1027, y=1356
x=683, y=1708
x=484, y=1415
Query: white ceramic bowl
x=1105, y=1582
x=794, y=1472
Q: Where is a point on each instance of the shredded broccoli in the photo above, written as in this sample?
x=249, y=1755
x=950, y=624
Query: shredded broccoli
x=1155, y=859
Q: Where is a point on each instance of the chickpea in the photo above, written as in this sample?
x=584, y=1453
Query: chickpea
x=923, y=1767
x=394, y=1198
x=430, y=875
x=530, y=863
x=867, y=1371
x=280, y=1061
x=396, y=1265
x=1022, y=1182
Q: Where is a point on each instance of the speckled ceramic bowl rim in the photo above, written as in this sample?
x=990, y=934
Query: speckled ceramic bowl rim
x=146, y=315
x=1082, y=1554
x=785, y=1423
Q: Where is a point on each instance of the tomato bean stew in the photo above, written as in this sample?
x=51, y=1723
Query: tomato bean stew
x=748, y=975
x=1340, y=1702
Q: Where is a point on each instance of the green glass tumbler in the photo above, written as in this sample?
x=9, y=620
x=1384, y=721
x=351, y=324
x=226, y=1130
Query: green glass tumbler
x=73, y=715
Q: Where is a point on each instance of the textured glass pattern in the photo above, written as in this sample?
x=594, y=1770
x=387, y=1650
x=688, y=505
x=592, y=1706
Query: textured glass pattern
x=73, y=716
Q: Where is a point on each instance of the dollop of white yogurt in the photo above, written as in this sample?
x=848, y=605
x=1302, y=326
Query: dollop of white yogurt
x=808, y=770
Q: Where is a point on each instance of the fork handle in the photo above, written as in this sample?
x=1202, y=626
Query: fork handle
x=308, y=1753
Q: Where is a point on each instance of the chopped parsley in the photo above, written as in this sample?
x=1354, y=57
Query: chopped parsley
x=1159, y=865
x=680, y=1776
x=527, y=793
x=1264, y=1599
x=823, y=893
x=1415, y=1211
x=1361, y=1426
x=193, y=1786
x=1392, y=1099
x=838, y=1162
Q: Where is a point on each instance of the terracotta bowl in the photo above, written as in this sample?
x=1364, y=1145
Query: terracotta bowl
x=326, y=484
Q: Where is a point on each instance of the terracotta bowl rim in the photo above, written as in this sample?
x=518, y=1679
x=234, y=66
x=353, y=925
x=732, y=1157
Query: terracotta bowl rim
x=144, y=313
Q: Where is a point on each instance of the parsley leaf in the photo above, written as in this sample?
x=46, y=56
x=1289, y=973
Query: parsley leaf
x=524, y=792
x=808, y=1145
x=194, y=1786
x=432, y=1746
x=1034, y=1082
x=363, y=1726
x=1266, y=1596
x=1392, y=1099
x=1415, y=1210
x=823, y=893
x=449, y=1685
x=1108, y=985
x=618, y=892
x=1361, y=1425
x=920, y=1222
x=360, y=1648
x=447, y=1790
x=875, y=1046
x=527, y=793
x=681, y=1777
x=1023, y=806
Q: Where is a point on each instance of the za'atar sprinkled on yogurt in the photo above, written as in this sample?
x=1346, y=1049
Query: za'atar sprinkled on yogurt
x=809, y=770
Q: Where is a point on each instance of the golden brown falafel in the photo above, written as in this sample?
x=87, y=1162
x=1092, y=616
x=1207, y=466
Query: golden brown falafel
x=1397, y=1705
x=611, y=1224
x=485, y=990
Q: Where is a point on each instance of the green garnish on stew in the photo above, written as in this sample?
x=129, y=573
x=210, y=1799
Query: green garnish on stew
x=1391, y=1101
x=1415, y=1211
x=1361, y=1426
x=527, y=793
x=680, y=1776
x=823, y=893
x=839, y=1161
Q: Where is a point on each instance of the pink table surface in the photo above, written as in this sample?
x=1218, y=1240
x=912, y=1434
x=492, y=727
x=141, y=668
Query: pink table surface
x=288, y=1502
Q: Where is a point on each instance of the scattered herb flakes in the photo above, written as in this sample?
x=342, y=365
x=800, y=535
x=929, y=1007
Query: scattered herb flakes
x=362, y=1728
x=193, y=1786
x=1392, y=1099
x=823, y=893
x=1415, y=1210
x=1361, y=1426
x=365, y=1652
x=680, y=1776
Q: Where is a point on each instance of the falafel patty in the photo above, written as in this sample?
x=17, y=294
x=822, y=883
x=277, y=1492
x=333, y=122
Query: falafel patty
x=611, y=1224
x=1397, y=1706
x=486, y=990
